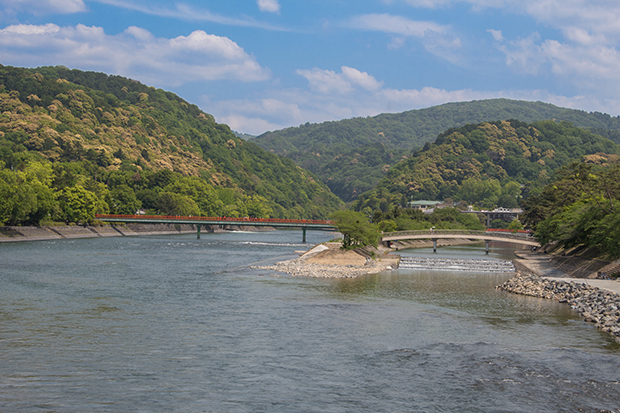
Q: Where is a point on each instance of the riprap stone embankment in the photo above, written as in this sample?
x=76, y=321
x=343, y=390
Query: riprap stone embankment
x=595, y=305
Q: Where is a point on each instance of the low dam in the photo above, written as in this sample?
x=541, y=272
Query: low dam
x=453, y=264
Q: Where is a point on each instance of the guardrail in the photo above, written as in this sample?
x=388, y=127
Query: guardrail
x=438, y=232
x=216, y=219
x=520, y=231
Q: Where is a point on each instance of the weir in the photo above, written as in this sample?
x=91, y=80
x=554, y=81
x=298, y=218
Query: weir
x=455, y=264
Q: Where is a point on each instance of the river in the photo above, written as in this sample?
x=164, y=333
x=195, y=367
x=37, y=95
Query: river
x=176, y=324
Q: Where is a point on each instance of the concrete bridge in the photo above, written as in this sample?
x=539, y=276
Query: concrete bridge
x=522, y=238
x=303, y=224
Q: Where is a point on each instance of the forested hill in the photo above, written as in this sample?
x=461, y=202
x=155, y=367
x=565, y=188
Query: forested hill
x=489, y=164
x=130, y=146
x=352, y=155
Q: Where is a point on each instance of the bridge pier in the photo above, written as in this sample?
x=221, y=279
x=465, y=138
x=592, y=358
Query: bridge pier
x=434, y=244
x=487, y=246
x=211, y=224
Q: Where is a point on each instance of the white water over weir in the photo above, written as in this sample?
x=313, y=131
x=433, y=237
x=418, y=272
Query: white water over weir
x=452, y=264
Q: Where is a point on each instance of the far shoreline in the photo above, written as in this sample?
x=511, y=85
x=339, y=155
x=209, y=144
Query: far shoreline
x=59, y=232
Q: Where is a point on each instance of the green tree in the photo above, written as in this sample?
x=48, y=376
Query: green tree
x=171, y=203
x=510, y=195
x=515, y=225
x=356, y=230
x=45, y=203
x=499, y=223
x=581, y=208
x=258, y=207
x=475, y=191
x=200, y=192
x=17, y=198
x=25, y=197
x=78, y=204
x=124, y=200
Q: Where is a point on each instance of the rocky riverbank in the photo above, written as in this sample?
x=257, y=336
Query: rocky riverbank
x=595, y=305
x=329, y=261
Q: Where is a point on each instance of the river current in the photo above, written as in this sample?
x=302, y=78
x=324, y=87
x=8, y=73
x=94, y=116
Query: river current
x=176, y=324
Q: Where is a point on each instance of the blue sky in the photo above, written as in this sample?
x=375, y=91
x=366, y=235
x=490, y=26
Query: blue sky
x=262, y=65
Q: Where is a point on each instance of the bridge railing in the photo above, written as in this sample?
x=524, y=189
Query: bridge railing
x=216, y=219
x=436, y=233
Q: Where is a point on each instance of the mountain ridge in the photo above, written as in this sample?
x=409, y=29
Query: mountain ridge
x=488, y=164
x=316, y=146
x=130, y=146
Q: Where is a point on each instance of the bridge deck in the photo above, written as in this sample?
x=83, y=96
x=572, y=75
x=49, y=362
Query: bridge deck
x=256, y=222
x=516, y=238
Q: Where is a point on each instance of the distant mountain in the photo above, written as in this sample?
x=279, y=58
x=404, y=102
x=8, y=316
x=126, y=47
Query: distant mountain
x=489, y=164
x=245, y=136
x=132, y=146
x=372, y=145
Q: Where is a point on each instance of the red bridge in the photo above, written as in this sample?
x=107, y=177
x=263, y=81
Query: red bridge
x=304, y=224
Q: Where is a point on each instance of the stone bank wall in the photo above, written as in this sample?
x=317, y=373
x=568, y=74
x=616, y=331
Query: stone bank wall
x=596, y=306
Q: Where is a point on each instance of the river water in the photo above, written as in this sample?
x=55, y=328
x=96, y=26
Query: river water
x=175, y=324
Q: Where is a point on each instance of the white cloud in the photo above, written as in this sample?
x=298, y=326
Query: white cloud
x=477, y=5
x=436, y=38
x=29, y=29
x=522, y=54
x=497, y=35
x=593, y=17
x=398, y=25
x=328, y=81
x=396, y=43
x=139, y=33
x=257, y=116
x=44, y=6
x=271, y=6
x=134, y=53
x=597, y=16
x=252, y=126
x=332, y=96
x=586, y=64
x=325, y=81
x=352, y=93
x=581, y=36
x=398, y=100
x=585, y=52
x=208, y=44
x=446, y=47
x=183, y=11
x=293, y=107
x=361, y=79
x=431, y=4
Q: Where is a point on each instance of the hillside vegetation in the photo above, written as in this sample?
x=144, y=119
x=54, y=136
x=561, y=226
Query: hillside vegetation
x=581, y=208
x=352, y=155
x=116, y=145
x=488, y=164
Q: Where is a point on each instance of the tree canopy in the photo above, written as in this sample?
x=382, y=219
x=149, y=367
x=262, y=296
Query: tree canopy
x=580, y=208
x=488, y=164
x=133, y=147
x=352, y=155
x=356, y=230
